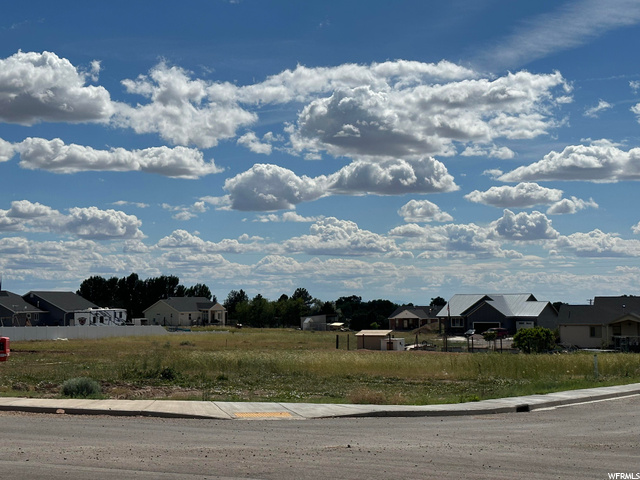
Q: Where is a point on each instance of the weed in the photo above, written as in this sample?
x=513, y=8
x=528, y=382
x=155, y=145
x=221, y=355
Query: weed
x=80, y=387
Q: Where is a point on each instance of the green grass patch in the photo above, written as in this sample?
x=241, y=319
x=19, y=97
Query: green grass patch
x=296, y=366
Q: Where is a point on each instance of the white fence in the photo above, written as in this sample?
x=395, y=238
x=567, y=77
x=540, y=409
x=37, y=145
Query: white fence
x=17, y=334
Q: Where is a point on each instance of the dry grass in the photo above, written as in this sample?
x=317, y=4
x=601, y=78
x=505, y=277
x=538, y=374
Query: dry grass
x=291, y=365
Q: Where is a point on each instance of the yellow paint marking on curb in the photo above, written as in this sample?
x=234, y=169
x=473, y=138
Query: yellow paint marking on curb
x=262, y=414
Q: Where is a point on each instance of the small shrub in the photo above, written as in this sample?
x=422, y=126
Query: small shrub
x=168, y=373
x=489, y=336
x=80, y=387
x=534, y=340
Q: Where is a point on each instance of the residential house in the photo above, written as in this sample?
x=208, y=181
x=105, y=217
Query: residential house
x=410, y=317
x=15, y=312
x=186, y=311
x=58, y=307
x=483, y=311
x=319, y=322
x=608, y=322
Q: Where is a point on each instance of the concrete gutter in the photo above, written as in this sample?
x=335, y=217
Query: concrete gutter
x=301, y=411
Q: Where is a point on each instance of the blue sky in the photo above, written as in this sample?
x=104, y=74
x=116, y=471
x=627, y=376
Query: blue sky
x=400, y=150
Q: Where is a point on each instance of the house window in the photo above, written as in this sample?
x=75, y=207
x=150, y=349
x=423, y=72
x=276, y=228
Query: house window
x=456, y=322
x=595, y=332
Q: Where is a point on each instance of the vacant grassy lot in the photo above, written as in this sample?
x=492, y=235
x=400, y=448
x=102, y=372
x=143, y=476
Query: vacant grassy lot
x=291, y=365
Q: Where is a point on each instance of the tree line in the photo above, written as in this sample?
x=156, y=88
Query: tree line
x=136, y=295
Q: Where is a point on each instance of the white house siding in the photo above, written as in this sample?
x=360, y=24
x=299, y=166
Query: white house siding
x=162, y=314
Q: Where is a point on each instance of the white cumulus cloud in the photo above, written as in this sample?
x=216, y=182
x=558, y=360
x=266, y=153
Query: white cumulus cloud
x=88, y=223
x=570, y=206
x=58, y=157
x=524, y=226
x=407, y=119
x=37, y=87
x=522, y=195
x=600, y=161
x=267, y=187
x=423, y=211
x=184, y=111
x=597, y=244
x=332, y=236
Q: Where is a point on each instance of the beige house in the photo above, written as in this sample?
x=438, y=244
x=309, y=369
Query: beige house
x=609, y=322
x=410, y=318
x=186, y=311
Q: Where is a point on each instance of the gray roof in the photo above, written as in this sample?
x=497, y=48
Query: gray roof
x=459, y=304
x=603, y=311
x=15, y=303
x=65, y=301
x=509, y=304
x=418, y=311
x=619, y=305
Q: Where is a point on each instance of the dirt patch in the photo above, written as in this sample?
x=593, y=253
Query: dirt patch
x=124, y=391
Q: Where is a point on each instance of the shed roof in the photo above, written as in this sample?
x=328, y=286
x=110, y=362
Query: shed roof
x=373, y=333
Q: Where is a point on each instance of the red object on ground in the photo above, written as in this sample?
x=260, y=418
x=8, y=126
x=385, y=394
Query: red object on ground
x=4, y=349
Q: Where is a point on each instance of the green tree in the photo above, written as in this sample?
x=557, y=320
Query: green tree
x=100, y=291
x=438, y=302
x=289, y=311
x=348, y=306
x=261, y=312
x=131, y=295
x=304, y=295
x=327, y=308
x=200, y=290
x=235, y=298
x=534, y=340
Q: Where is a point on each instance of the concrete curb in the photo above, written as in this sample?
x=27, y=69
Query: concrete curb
x=301, y=411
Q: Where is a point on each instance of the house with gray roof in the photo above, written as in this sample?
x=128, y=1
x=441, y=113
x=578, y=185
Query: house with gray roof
x=57, y=306
x=409, y=317
x=16, y=312
x=186, y=311
x=608, y=322
x=483, y=311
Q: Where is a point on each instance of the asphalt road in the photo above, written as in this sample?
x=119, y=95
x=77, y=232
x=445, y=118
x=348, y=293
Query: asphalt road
x=586, y=441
